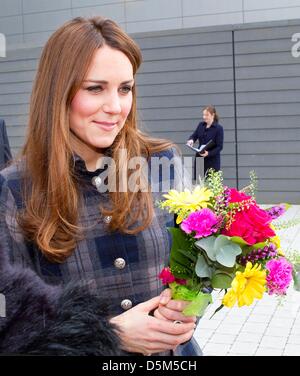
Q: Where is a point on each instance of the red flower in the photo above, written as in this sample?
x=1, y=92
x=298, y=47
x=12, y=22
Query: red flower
x=251, y=224
x=167, y=277
x=236, y=196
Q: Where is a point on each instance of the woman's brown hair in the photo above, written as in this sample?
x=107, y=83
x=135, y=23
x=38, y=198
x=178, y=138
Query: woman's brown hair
x=212, y=111
x=50, y=217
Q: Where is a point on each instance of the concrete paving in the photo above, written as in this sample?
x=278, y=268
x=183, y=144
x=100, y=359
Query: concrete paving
x=270, y=326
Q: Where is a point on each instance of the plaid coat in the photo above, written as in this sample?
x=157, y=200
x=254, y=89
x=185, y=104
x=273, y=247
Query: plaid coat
x=124, y=268
x=5, y=153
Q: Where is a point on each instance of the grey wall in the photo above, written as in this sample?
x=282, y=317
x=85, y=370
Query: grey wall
x=268, y=110
x=260, y=109
x=32, y=21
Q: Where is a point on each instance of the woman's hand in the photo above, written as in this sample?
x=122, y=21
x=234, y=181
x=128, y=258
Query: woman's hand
x=171, y=310
x=190, y=142
x=204, y=154
x=142, y=333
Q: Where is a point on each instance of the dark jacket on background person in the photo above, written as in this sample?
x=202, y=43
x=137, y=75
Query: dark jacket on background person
x=203, y=135
x=5, y=153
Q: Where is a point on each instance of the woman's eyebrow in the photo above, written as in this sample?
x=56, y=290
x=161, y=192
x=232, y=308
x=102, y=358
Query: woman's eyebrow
x=106, y=82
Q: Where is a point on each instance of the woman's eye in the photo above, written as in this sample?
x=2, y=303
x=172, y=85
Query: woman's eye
x=125, y=89
x=94, y=89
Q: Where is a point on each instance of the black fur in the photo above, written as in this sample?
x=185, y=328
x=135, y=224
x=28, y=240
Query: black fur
x=51, y=320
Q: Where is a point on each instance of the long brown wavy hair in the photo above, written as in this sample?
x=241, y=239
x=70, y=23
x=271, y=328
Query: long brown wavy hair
x=51, y=193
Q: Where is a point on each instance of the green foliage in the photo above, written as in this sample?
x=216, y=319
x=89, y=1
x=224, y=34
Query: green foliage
x=217, y=310
x=253, y=184
x=198, y=305
x=182, y=292
x=203, y=270
x=220, y=249
x=238, y=240
x=214, y=181
x=251, y=189
x=282, y=225
x=296, y=276
x=221, y=280
x=294, y=258
x=181, y=265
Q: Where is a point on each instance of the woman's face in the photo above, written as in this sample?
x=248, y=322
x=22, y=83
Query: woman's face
x=101, y=106
x=208, y=117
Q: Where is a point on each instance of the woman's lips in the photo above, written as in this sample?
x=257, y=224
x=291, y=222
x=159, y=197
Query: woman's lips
x=106, y=126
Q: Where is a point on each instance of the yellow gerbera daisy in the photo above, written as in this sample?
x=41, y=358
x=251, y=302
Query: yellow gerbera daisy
x=186, y=202
x=246, y=286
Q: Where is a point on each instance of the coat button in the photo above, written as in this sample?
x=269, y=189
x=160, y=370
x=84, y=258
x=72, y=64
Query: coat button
x=119, y=263
x=126, y=304
x=96, y=181
x=107, y=219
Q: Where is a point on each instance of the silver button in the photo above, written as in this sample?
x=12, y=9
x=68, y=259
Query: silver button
x=119, y=263
x=96, y=181
x=107, y=219
x=126, y=304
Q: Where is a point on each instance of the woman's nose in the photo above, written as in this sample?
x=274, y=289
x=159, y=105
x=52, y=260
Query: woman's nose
x=112, y=104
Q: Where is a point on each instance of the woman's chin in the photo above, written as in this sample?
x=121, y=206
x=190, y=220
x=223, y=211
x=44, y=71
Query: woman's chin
x=103, y=144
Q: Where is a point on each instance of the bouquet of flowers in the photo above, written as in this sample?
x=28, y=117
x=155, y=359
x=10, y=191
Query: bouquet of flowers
x=225, y=241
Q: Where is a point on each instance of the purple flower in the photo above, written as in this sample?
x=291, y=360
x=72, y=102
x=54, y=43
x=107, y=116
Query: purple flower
x=276, y=211
x=203, y=222
x=279, y=276
x=269, y=251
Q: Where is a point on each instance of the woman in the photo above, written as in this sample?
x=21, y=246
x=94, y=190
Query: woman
x=58, y=219
x=209, y=129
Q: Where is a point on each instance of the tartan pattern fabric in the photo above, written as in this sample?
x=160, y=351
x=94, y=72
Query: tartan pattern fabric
x=93, y=259
x=5, y=152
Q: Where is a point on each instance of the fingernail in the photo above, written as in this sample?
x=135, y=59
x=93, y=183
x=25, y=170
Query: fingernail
x=163, y=300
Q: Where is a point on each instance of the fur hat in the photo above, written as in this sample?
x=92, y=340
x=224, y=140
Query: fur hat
x=42, y=319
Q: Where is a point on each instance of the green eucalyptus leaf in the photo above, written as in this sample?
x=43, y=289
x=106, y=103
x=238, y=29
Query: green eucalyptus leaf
x=221, y=281
x=207, y=244
x=227, y=254
x=221, y=241
x=202, y=269
x=226, y=251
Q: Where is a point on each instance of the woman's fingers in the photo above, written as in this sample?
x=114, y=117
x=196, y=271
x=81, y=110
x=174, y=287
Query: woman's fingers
x=147, y=306
x=158, y=315
x=177, y=305
x=165, y=296
x=169, y=341
x=170, y=327
x=173, y=315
